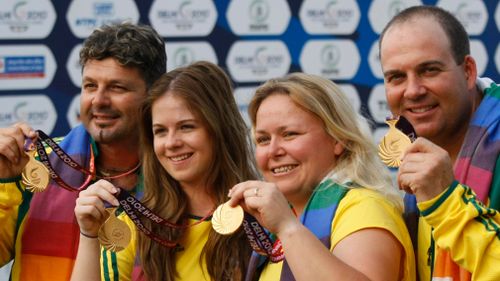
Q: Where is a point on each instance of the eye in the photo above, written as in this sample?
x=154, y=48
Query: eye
x=158, y=131
x=395, y=78
x=89, y=86
x=187, y=127
x=289, y=134
x=431, y=70
x=262, y=140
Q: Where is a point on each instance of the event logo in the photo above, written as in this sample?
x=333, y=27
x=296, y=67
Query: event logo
x=471, y=13
x=480, y=55
x=382, y=11
x=36, y=110
x=243, y=96
x=73, y=66
x=181, y=18
x=26, y=67
x=84, y=16
x=26, y=19
x=251, y=61
x=184, y=53
x=377, y=104
x=329, y=16
x=73, y=113
x=334, y=59
x=352, y=95
x=258, y=17
x=374, y=60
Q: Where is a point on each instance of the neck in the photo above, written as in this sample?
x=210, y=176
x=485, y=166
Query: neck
x=113, y=157
x=200, y=201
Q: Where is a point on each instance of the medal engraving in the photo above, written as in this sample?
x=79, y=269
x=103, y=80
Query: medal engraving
x=35, y=175
x=227, y=219
x=393, y=145
x=114, y=234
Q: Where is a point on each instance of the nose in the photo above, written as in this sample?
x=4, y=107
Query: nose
x=101, y=97
x=173, y=141
x=414, y=87
x=275, y=148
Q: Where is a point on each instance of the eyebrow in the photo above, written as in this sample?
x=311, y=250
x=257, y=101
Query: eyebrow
x=419, y=66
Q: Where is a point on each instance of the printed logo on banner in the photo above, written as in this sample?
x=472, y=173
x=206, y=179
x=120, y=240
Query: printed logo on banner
x=334, y=59
x=73, y=113
x=497, y=16
x=497, y=58
x=26, y=19
x=352, y=95
x=243, y=96
x=374, y=60
x=329, y=16
x=382, y=11
x=36, y=110
x=258, y=17
x=480, y=55
x=84, y=16
x=471, y=13
x=73, y=66
x=184, y=53
x=377, y=104
x=181, y=18
x=252, y=61
x=26, y=67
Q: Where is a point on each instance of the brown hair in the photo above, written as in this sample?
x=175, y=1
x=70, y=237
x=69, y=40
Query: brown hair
x=208, y=92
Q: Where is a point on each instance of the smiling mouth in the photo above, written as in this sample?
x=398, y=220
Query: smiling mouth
x=180, y=157
x=283, y=169
x=421, y=109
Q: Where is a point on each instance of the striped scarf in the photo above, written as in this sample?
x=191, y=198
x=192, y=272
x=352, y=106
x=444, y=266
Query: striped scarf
x=317, y=217
x=50, y=233
x=475, y=166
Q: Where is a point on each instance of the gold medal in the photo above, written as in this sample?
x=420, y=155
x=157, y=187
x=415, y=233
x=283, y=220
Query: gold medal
x=114, y=234
x=35, y=175
x=227, y=219
x=393, y=145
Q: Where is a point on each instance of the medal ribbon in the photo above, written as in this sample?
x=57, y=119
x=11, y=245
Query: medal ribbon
x=260, y=241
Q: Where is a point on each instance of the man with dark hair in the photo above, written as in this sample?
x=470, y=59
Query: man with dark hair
x=39, y=231
x=453, y=168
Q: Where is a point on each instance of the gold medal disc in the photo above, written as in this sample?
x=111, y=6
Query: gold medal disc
x=393, y=145
x=227, y=219
x=35, y=175
x=114, y=234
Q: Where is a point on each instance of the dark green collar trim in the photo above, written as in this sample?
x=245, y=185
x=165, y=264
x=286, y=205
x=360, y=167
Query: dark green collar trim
x=440, y=200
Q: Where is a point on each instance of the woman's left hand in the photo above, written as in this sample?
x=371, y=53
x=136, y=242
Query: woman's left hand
x=266, y=203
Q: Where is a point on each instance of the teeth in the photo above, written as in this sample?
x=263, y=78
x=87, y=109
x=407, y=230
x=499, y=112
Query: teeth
x=422, y=109
x=283, y=169
x=180, y=157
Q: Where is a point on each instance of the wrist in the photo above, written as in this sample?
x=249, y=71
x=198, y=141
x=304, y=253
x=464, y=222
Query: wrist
x=88, y=236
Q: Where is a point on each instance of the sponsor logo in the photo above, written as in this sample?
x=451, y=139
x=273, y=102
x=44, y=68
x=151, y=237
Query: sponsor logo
x=329, y=16
x=184, y=53
x=382, y=11
x=26, y=19
x=374, y=61
x=471, y=13
x=243, y=96
x=480, y=55
x=334, y=59
x=352, y=95
x=73, y=114
x=258, y=60
x=26, y=67
x=84, y=16
x=180, y=18
x=73, y=66
x=36, y=110
x=377, y=104
x=258, y=17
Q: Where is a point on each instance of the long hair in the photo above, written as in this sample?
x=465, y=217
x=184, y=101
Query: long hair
x=208, y=92
x=321, y=97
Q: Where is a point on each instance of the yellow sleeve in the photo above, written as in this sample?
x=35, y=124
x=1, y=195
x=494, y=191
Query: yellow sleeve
x=10, y=199
x=362, y=208
x=467, y=229
x=119, y=265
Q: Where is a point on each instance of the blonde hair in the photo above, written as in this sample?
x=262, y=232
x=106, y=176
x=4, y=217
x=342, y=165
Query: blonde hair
x=359, y=163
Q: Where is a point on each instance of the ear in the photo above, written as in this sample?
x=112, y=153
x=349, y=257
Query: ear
x=470, y=71
x=338, y=147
